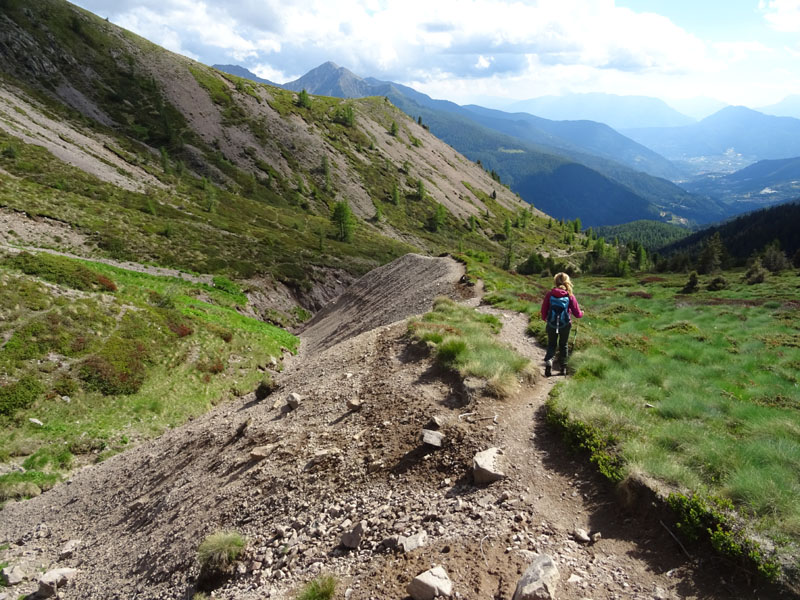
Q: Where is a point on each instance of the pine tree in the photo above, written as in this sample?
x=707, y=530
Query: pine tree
x=303, y=99
x=395, y=194
x=343, y=221
x=420, y=189
x=438, y=219
x=394, y=129
x=710, y=260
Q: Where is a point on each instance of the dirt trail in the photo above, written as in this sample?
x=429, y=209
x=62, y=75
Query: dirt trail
x=294, y=481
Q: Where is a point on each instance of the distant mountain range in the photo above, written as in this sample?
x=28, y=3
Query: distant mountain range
x=568, y=169
x=788, y=107
x=584, y=168
x=765, y=182
x=733, y=130
x=619, y=112
x=698, y=108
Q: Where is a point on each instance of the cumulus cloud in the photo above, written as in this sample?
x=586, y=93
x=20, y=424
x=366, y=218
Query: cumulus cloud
x=782, y=15
x=394, y=38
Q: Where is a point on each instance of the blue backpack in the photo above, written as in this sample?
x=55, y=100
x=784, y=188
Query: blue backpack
x=558, y=316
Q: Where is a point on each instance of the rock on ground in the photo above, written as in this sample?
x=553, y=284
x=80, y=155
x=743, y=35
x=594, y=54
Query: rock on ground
x=430, y=584
x=539, y=580
x=52, y=581
x=486, y=466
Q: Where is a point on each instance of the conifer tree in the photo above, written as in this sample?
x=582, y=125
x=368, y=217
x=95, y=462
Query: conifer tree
x=343, y=221
x=303, y=99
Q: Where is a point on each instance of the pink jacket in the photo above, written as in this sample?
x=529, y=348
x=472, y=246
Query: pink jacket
x=573, y=309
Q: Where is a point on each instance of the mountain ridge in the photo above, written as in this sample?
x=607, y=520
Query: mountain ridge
x=618, y=112
x=458, y=126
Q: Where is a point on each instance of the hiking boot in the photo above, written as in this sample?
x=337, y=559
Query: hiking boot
x=548, y=367
x=564, y=370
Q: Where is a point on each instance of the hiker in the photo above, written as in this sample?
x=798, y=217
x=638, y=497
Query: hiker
x=557, y=306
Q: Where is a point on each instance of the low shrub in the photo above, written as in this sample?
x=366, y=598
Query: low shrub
x=19, y=395
x=692, y=284
x=119, y=369
x=212, y=365
x=265, y=388
x=717, y=284
x=756, y=273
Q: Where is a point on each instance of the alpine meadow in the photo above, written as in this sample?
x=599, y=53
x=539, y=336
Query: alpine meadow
x=264, y=340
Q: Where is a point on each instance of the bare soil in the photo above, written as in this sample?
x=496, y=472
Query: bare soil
x=293, y=481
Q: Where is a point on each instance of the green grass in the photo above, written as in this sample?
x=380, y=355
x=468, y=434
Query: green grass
x=220, y=550
x=104, y=370
x=464, y=340
x=697, y=390
x=19, y=486
x=321, y=588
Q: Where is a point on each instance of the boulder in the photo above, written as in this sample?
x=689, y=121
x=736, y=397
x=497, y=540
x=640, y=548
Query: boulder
x=412, y=542
x=68, y=549
x=539, y=581
x=581, y=536
x=486, y=466
x=432, y=438
x=260, y=452
x=12, y=575
x=52, y=581
x=430, y=584
x=294, y=400
x=352, y=538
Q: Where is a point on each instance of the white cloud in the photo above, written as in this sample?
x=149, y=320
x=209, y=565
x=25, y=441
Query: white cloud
x=782, y=15
x=483, y=62
x=456, y=49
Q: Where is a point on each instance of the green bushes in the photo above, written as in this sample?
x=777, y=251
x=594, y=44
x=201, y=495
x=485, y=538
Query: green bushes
x=19, y=395
x=118, y=369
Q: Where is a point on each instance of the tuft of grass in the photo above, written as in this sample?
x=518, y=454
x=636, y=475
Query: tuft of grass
x=321, y=588
x=464, y=340
x=19, y=486
x=220, y=550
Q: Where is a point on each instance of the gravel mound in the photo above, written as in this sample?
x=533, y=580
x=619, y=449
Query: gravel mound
x=404, y=287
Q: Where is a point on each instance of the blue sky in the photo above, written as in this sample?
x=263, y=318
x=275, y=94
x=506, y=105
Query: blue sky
x=495, y=51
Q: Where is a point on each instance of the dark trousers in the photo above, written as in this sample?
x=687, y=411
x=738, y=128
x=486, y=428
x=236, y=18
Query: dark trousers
x=559, y=339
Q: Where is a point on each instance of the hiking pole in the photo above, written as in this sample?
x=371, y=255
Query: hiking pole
x=574, y=339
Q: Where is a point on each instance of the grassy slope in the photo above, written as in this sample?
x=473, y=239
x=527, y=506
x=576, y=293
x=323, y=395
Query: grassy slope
x=698, y=391
x=168, y=349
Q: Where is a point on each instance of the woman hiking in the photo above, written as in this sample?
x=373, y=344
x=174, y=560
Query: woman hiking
x=557, y=306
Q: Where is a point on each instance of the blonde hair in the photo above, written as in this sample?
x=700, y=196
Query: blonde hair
x=562, y=280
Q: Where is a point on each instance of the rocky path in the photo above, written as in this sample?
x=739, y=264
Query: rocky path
x=602, y=548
